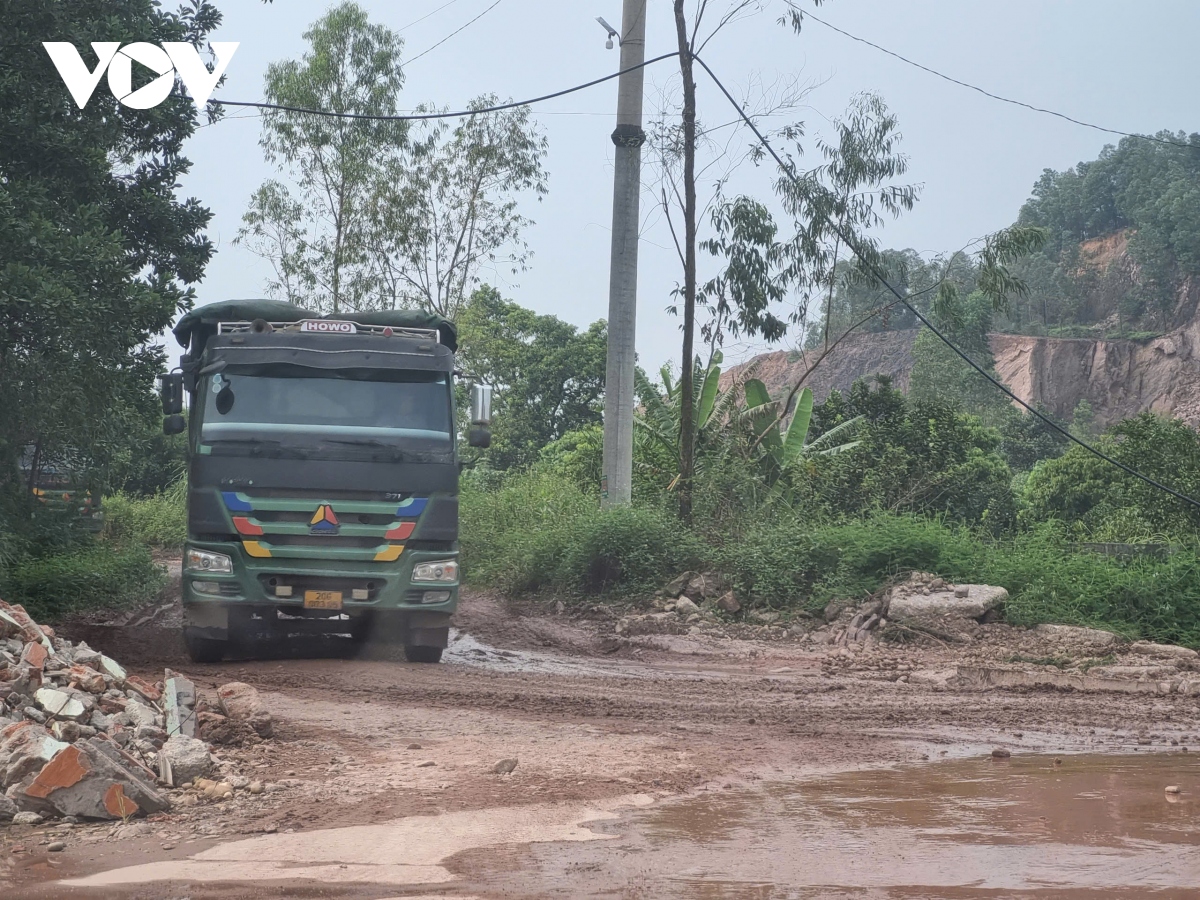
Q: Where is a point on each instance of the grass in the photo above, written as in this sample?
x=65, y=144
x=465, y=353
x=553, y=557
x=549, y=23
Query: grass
x=88, y=577
x=537, y=532
x=159, y=522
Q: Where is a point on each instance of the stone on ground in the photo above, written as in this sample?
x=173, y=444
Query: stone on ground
x=686, y=606
x=706, y=586
x=242, y=703
x=1170, y=651
x=729, y=602
x=188, y=757
x=1078, y=635
x=908, y=602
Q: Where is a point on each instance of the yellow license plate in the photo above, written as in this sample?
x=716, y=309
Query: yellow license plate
x=322, y=599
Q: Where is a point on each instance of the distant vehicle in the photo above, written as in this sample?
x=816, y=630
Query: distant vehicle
x=58, y=483
x=322, y=475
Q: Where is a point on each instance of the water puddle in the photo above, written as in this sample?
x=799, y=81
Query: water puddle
x=406, y=852
x=1091, y=827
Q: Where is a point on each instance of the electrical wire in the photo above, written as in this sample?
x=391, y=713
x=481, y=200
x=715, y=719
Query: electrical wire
x=986, y=93
x=426, y=16
x=461, y=114
x=453, y=33
x=853, y=245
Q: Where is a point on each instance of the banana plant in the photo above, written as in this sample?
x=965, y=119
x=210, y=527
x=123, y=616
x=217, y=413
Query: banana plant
x=782, y=448
x=657, y=425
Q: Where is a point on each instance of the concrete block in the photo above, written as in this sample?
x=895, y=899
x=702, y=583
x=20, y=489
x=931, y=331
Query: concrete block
x=93, y=779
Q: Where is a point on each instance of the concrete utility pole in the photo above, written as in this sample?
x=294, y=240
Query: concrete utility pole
x=617, y=478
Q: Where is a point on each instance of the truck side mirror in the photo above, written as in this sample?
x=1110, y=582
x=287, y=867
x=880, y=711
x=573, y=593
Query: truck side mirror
x=481, y=416
x=481, y=404
x=170, y=388
x=175, y=424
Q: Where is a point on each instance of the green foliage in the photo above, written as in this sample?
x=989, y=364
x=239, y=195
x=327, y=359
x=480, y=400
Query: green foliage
x=1100, y=502
x=624, y=548
x=549, y=377
x=1140, y=191
x=94, y=577
x=159, y=521
x=512, y=531
x=540, y=531
x=97, y=249
x=577, y=456
x=940, y=375
x=851, y=192
x=380, y=214
x=792, y=562
x=911, y=456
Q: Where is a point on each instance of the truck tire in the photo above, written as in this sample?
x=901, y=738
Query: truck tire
x=422, y=654
x=203, y=650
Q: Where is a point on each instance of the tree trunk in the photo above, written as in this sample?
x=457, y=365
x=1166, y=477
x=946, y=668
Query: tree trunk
x=687, y=394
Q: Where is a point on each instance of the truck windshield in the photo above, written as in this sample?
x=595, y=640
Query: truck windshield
x=304, y=408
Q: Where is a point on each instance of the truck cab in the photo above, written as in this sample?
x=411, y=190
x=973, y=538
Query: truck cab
x=322, y=476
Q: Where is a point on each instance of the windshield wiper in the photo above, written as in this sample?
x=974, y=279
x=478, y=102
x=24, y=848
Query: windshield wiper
x=261, y=446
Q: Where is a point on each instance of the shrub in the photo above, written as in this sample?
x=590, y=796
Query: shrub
x=790, y=563
x=540, y=530
x=93, y=577
x=159, y=521
x=633, y=549
x=509, y=531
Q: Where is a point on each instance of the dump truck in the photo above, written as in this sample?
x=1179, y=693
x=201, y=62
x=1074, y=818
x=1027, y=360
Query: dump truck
x=322, y=475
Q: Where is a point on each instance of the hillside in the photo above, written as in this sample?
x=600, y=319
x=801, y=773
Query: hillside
x=1119, y=378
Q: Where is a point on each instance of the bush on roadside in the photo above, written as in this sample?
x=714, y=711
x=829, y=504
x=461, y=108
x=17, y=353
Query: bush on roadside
x=94, y=577
x=159, y=521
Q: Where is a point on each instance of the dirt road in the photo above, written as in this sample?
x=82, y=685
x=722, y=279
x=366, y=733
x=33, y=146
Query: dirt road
x=382, y=775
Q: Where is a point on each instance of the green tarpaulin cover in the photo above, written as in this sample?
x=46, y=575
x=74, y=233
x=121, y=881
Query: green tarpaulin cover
x=203, y=319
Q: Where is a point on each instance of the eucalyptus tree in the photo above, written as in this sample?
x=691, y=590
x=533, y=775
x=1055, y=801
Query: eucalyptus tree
x=448, y=207
x=371, y=212
x=314, y=228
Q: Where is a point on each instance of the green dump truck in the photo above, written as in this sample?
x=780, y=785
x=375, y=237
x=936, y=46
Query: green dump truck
x=322, y=475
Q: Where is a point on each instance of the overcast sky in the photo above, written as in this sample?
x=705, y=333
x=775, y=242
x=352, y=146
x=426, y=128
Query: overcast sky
x=1121, y=65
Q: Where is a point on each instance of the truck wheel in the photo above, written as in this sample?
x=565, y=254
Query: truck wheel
x=422, y=654
x=203, y=650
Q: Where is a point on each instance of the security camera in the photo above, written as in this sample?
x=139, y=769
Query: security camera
x=612, y=33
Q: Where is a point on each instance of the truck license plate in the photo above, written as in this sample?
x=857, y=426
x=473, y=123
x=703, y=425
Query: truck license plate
x=322, y=599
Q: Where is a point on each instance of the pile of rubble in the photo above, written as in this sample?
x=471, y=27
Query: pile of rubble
x=921, y=605
x=80, y=737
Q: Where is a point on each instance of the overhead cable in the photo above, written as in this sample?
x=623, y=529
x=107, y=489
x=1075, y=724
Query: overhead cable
x=863, y=258
x=993, y=96
x=460, y=114
x=453, y=33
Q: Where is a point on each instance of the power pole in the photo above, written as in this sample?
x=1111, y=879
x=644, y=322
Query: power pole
x=617, y=478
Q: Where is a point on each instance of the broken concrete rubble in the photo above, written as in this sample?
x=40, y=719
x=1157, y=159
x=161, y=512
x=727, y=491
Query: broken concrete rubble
x=187, y=757
x=92, y=779
x=70, y=718
x=242, y=703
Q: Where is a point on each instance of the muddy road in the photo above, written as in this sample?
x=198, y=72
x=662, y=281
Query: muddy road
x=707, y=763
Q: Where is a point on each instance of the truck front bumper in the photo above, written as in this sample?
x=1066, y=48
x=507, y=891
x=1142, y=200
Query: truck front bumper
x=379, y=590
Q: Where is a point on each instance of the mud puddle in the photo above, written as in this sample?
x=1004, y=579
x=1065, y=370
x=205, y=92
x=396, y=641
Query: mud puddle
x=406, y=852
x=1089, y=827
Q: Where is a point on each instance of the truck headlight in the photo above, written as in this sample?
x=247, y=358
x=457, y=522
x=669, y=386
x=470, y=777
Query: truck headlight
x=442, y=570
x=203, y=561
